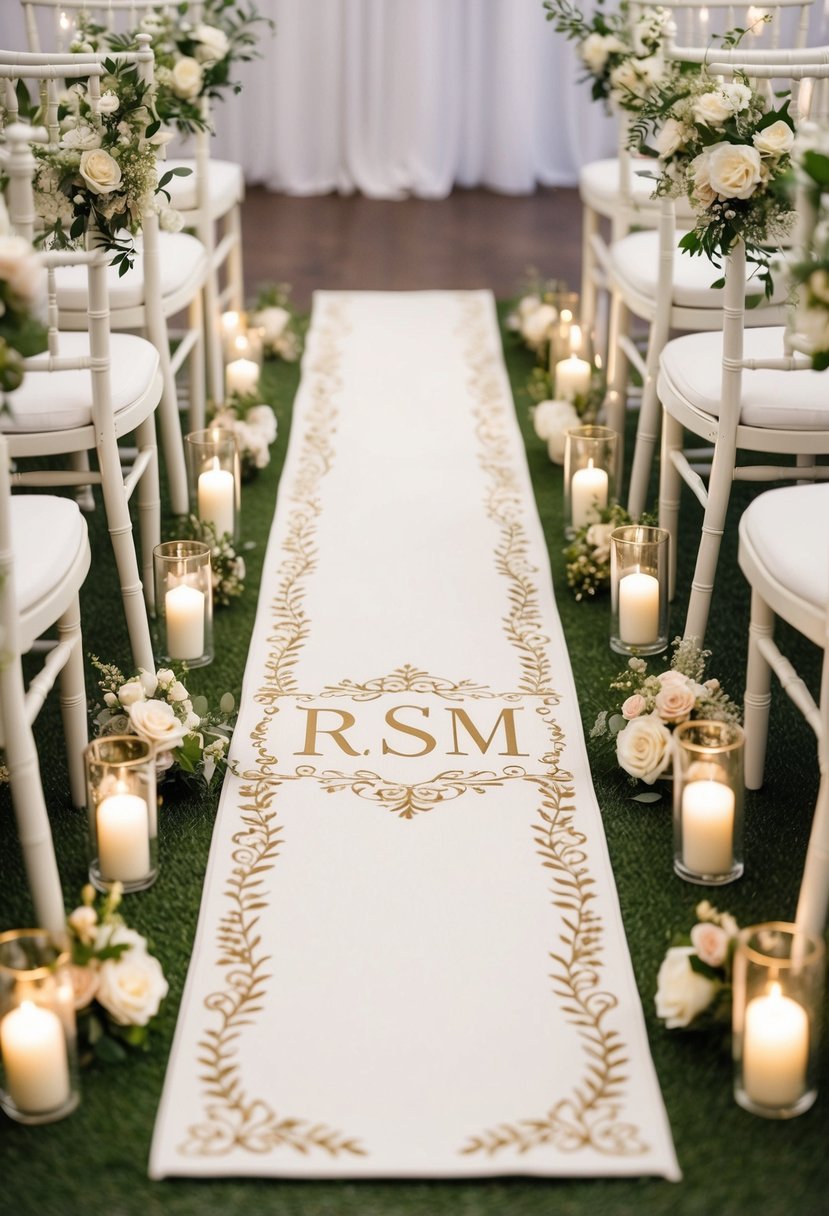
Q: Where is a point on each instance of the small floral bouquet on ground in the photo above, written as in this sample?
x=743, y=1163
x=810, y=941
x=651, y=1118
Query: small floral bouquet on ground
x=22, y=298
x=254, y=424
x=102, y=178
x=189, y=738
x=227, y=566
x=588, y=553
x=552, y=419
x=810, y=276
x=281, y=328
x=695, y=975
x=653, y=704
x=621, y=58
x=119, y=985
x=724, y=147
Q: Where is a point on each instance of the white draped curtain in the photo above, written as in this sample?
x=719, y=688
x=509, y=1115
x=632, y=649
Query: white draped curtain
x=397, y=97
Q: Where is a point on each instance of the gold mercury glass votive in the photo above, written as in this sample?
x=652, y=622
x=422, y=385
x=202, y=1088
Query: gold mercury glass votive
x=38, y=1056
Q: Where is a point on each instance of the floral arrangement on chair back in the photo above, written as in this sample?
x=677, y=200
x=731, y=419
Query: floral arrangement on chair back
x=22, y=333
x=810, y=275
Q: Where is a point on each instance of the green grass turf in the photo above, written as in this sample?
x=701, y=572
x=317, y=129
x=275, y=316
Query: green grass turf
x=733, y=1163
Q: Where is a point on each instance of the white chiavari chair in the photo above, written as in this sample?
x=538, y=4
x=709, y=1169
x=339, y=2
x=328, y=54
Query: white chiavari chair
x=71, y=402
x=650, y=277
x=741, y=390
x=209, y=197
x=44, y=558
x=789, y=578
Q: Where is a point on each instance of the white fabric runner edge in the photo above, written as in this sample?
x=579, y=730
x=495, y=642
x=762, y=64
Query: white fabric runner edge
x=416, y=966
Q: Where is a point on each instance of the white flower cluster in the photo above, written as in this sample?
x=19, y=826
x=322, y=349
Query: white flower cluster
x=278, y=336
x=21, y=270
x=683, y=992
x=129, y=987
x=255, y=428
x=811, y=277
x=551, y=421
x=534, y=320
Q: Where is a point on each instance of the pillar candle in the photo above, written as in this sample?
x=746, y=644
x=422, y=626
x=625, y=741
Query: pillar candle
x=123, y=837
x=572, y=378
x=241, y=376
x=35, y=1060
x=775, y=1049
x=638, y=608
x=708, y=827
x=217, y=497
x=184, y=612
x=588, y=495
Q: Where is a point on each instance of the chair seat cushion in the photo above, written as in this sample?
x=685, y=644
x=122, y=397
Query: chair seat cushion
x=599, y=186
x=59, y=401
x=782, y=527
x=635, y=262
x=225, y=185
x=47, y=533
x=182, y=259
x=691, y=370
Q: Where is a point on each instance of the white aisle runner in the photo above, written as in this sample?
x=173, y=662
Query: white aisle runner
x=409, y=959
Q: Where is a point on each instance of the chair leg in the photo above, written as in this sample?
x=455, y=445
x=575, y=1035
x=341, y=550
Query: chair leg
x=172, y=443
x=758, y=692
x=589, y=230
x=30, y=808
x=813, y=902
x=205, y=230
x=669, y=488
x=648, y=424
x=197, y=410
x=79, y=463
x=713, y=524
x=615, y=404
x=149, y=509
x=235, y=261
x=73, y=701
x=126, y=560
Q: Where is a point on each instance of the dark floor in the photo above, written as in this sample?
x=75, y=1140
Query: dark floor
x=474, y=238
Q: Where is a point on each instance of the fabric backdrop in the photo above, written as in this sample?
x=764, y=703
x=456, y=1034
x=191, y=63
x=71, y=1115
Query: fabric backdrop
x=397, y=97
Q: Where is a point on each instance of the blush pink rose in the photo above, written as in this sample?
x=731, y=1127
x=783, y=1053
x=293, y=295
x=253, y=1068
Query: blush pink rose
x=675, y=702
x=634, y=706
x=710, y=943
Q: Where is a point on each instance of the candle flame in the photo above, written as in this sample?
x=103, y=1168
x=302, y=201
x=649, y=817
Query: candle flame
x=566, y=316
x=775, y=991
x=65, y=21
x=229, y=321
x=215, y=466
x=241, y=343
x=590, y=463
x=703, y=16
x=575, y=340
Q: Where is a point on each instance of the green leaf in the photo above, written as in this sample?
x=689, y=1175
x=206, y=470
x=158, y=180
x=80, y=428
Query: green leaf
x=696, y=964
x=109, y=1050
x=151, y=129
x=820, y=362
x=200, y=705
x=227, y=703
x=648, y=796
x=616, y=723
x=816, y=164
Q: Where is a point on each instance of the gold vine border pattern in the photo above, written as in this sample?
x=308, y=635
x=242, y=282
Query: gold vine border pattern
x=504, y=499
x=589, y=1118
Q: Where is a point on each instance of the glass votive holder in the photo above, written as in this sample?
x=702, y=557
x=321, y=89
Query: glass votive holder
x=232, y=324
x=215, y=481
x=572, y=375
x=566, y=304
x=38, y=1055
x=639, y=589
x=184, y=601
x=708, y=801
x=589, y=474
x=123, y=812
x=778, y=981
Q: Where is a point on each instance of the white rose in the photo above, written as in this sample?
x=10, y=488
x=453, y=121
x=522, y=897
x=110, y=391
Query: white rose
x=636, y=76
x=597, y=47
x=734, y=170
x=165, y=677
x=813, y=324
x=263, y=419
x=537, y=326
x=680, y=992
x=272, y=321
x=213, y=43
x=81, y=137
x=671, y=137
x=187, y=76
x=713, y=109
x=775, y=140
x=710, y=942
x=598, y=537
x=100, y=171
x=737, y=95
x=119, y=935
x=526, y=305
x=149, y=681
x=161, y=138
x=643, y=748
x=131, y=692
x=552, y=420
x=156, y=722
x=178, y=692
x=109, y=102
x=84, y=924
x=132, y=987
x=20, y=267
x=702, y=194
x=169, y=220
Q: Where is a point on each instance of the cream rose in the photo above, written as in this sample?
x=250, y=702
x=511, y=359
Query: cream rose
x=537, y=326
x=734, y=170
x=775, y=140
x=84, y=924
x=131, y=692
x=80, y=137
x=149, y=681
x=20, y=267
x=263, y=419
x=187, y=76
x=633, y=706
x=597, y=47
x=156, y=722
x=213, y=43
x=119, y=934
x=675, y=702
x=643, y=748
x=681, y=993
x=109, y=102
x=132, y=987
x=272, y=321
x=710, y=943
x=598, y=537
x=713, y=109
x=552, y=420
x=703, y=195
x=100, y=171
x=170, y=220
x=671, y=137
